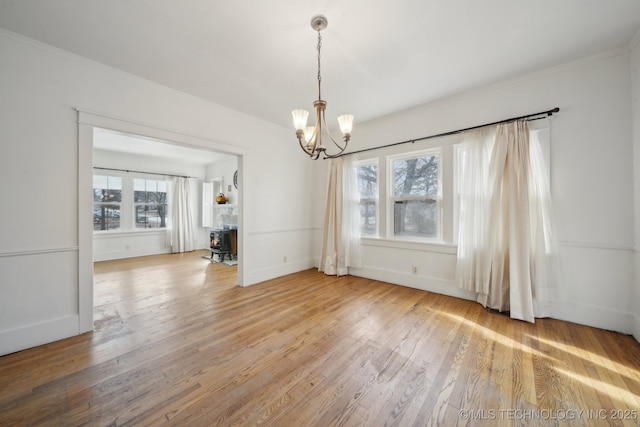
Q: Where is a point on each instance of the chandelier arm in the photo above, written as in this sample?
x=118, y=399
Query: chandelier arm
x=328, y=132
x=302, y=146
x=332, y=156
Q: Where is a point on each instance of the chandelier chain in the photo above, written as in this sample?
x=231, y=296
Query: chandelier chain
x=319, y=77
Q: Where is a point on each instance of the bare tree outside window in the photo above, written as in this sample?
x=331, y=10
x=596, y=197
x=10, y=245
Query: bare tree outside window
x=107, y=196
x=368, y=191
x=416, y=196
x=150, y=201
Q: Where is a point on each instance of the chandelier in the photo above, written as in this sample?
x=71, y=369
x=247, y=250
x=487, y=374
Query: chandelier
x=310, y=137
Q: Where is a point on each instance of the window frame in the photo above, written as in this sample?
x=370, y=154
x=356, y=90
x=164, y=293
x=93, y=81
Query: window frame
x=393, y=199
x=128, y=204
x=449, y=170
x=119, y=204
x=447, y=173
x=370, y=162
x=149, y=204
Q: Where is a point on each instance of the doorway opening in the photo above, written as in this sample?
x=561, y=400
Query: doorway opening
x=145, y=154
x=134, y=188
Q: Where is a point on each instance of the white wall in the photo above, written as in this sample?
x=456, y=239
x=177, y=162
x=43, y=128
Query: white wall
x=107, y=245
x=591, y=179
x=635, y=110
x=45, y=169
x=280, y=239
x=224, y=169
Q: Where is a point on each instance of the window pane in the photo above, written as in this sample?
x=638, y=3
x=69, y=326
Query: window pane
x=368, y=217
x=100, y=181
x=139, y=190
x=139, y=185
x=107, y=188
x=415, y=218
x=368, y=194
x=139, y=196
x=368, y=181
x=103, y=195
x=152, y=185
x=156, y=197
x=106, y=217
x=107, y=195
x=416, y=177
x=111, y=182
x=149, y=191
x=151, y=216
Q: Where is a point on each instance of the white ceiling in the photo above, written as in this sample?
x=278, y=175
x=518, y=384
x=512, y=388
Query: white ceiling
x=108, y=140
x=378, y=57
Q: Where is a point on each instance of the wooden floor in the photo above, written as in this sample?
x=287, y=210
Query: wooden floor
x=177, y=343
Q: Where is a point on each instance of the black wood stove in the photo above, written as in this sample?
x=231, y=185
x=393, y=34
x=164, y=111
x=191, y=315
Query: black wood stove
x=220, y=243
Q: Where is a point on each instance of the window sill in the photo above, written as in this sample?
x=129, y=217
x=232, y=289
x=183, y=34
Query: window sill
x=107, y=234
x=445, y=248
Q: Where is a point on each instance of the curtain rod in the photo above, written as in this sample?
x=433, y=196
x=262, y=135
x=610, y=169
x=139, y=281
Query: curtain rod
x=148, y=173
x=528, y=117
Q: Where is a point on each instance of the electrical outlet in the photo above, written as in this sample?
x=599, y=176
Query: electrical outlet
x=127, y=247
x=284, y=258
x=414, y=269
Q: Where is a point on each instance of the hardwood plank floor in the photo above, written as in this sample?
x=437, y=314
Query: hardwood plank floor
x=177, y=343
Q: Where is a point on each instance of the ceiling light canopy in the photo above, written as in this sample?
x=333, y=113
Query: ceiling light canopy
x=310, y=137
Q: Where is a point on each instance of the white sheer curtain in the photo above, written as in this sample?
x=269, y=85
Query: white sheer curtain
x=545, y=271
x=351, y=214
x=473, y=237
x=506, y=234
x=341, y=233
x=180, y=228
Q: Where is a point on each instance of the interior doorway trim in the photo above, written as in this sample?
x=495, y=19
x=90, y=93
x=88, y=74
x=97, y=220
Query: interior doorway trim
x=107, y=121
x=87, y=121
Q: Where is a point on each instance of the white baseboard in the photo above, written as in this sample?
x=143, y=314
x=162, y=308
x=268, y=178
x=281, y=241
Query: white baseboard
x=598, y=317
x=263, y=274
x=422, y=282
x=41, y=333
x=108, y=256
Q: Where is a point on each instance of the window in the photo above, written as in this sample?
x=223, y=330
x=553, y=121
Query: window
x=150, y=203
x=367, y=174
x=107, y=197
x=409, y=196
x=124, y=202
x=415, y=195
